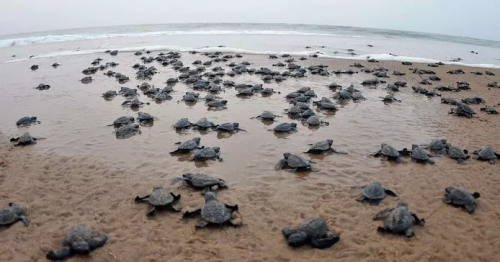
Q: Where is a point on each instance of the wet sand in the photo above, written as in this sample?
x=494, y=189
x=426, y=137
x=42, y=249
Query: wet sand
x=82, y=174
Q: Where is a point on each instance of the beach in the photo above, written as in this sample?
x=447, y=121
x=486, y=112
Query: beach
x=82, y=174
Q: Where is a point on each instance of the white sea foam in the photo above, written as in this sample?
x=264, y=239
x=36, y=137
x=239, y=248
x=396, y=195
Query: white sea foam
x=320, y=53
x=79, y=37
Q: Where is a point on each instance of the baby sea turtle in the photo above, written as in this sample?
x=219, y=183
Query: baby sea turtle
x=437, y=146
x=229, y=127
x=294, y=162
x=374, y=193
x=326, y=104
x=489, y=110
x=204, y=124
x=390, y=152
x=160, y=198
x=285, y=128
x=267, y=115
x=461, y=198
x=144, y=118
x=473, y=100
x=462, y=110
x=27, y=120
x=42, y=87
x=190, y=97
x=24, y=139
x=201, y=181
x=206, y=153
x=187, y=146
x=127, y=131
x=487, y=154
x=182, y=124
x=323, y=147
x=419, y=155
x=398, y=220
x=122, y=121
x=314, y=121
x=389, y=98
x=109, y=94
x=127, y=92
x=457, y=153
x=78, y=240
x=217, y=104
x=13, y=214
x=214, y=212
x=86, y=80
x=34, y=67
x=133, y=103
x=314, y=231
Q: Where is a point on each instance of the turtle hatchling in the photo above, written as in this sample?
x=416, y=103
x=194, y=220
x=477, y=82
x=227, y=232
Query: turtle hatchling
x=204, y=124
x=214, y=212
x=201, y=181
x=315, y=121
x=285, y=128
x=461, y=198
x=267, y=115
x=294, y=162
x=390, y=153
x=398, y=220
x=314, y=231
x=419, y=155
x=24, y=139
x=323, y=147
x=389, y=98
x=229, y=127
x=109, y=94
x=374, y=193
x=127, y=131
x=160, y=198
x=144, y=118
x=437, y=146
x=217, y=104
x=487, y=154
x=462, y=110
x=182, y=124
x=78, y=240
x=122, y=121
x=457, y=153
x=187, y=146
x=490, y=110
x=27, y=120
x=206, y=153
x=13, y=214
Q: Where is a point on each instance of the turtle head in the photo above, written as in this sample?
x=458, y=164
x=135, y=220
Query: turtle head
x=80, y=247
x=210, y=196
x=294, y=125
x=414, y=146
x=476, y=195
x=443, y=141
x=216, y=149
x=297, y=239
x=236, y=125
x=197, y=140
x=403, y=204
x=330, y=142
x=224, y=102
x=286, y=155
x=449, y=189
x=187, y=175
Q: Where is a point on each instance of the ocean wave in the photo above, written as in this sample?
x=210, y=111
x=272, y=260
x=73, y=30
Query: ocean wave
x=79, y=37
x=320, y=53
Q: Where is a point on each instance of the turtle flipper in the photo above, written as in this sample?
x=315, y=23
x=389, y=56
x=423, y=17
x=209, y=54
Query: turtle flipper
x=25, y=220
x=378, y=153
x=338, y=151
x=460, y=160
x=14, y=139
x=280, y=165
x=390, y=193
x=232, y=207
x=293, y=170
x=361, y=199
x=189, y=214
x=374, y=202
x=202, y=224
x=60, y=254
x=138, y=198
x=383, y=214
x=177, y=143
x=418, y=221
x=98, y=241
x=430, y=162
x=325, y=242
x=409, y=232
x=151, y=211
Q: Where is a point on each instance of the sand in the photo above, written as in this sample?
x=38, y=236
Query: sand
x=81, y=174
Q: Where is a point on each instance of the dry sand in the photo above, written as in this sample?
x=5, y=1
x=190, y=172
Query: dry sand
x=81, y=174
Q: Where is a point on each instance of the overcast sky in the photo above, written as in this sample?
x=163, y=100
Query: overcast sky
x=456, y=17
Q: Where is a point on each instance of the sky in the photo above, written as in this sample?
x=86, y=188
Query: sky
x=477, y=19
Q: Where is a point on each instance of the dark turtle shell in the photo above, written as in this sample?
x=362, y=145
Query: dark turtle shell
x=182, y=124
x=389, y=151
x=313, y=121
x=295, y=161
x=285, y=127
x=228, y=127
x=456, y=153
x=144, y=117
x=190, y=144
x=374, y=191
x=202, y=180
x=459, y=196
x=127, y=131
x=267, y=115
x=322, y=145
x=214, y=211
x=487, y=153
x=160, y=197
x=204, y=123
x=419, y=154
x=400, y=219
x=206, y=153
